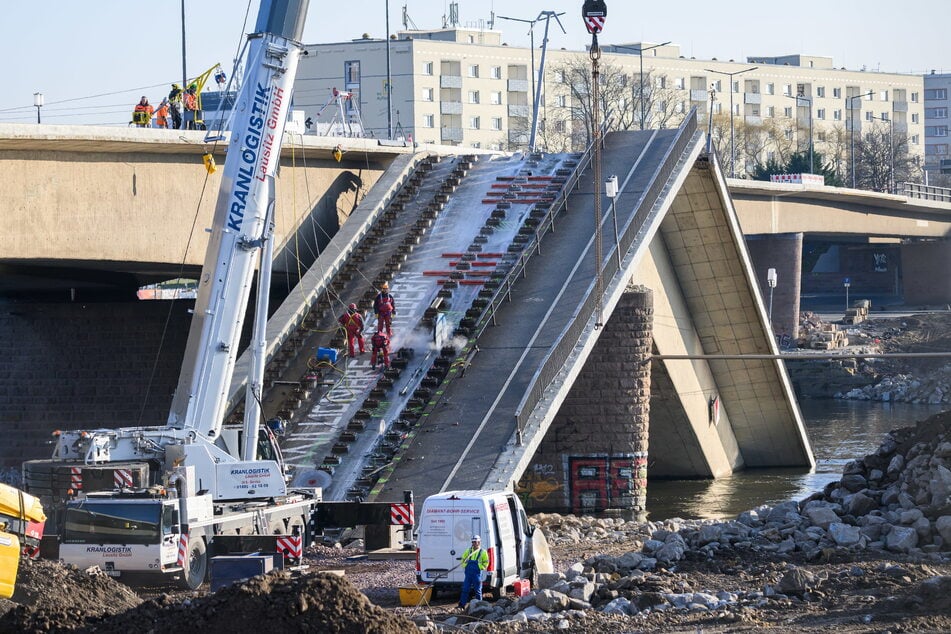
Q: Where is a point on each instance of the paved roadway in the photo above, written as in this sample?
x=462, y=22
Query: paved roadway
x=475, y=418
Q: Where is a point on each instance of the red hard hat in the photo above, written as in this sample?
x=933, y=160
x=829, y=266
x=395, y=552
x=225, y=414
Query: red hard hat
x=352, y=306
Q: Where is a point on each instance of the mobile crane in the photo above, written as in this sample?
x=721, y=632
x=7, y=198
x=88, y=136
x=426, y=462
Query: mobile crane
x=158, y=499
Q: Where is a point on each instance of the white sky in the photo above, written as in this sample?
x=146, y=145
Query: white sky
x=71, y=50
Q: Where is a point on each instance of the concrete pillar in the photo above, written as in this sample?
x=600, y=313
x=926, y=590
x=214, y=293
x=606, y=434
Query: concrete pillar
x=783, y=252
x=594, y=456
x=924, y=268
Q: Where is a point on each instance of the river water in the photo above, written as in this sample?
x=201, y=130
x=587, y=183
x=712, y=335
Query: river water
x=839, y=431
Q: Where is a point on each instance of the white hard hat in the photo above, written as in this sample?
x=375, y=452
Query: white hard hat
x=476, y=538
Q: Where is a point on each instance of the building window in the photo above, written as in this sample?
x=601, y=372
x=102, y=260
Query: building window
x=914, y=97
x=736, y=108
x=427, y=94
x=788, y=133
x=427, y=68
x=787, y=112
x=800, y=90
x=935, y=93
x=771, y=156
x=837, y=115
x=474, y=70
x=884, y=116
x=660, y=81
x=883, y=95
x=496, y=72
x=821, y=113
x=473, y=96
x=936, y=113
x=717, y=108
x=496, y=123
x=915, y=139
x=787, y=90
x=474, y=123
x=936, y=130
x=718, y=86
x=869, y=96
x=770, y=111
x=351, y=72
x=476, y=144
x=869, y=116
x=820, y=91
x=495, y=98
x=837, y=93
x=680, y=107
x=940, y=149
x=821, y=136
x=429, y=121
x=679, y=83
x=472, y=39
x=770, y=89
x=914, y=117
x=562, y=101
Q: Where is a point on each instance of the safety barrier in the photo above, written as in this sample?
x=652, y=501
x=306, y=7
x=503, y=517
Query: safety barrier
x=927, y=192
x=559, y=353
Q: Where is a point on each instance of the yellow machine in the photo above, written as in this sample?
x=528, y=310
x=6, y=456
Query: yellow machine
x=21, y=528
x=199, y=84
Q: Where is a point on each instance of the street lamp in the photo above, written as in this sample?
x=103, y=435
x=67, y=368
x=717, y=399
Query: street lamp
x=610, y=190
x=808, y=101
x=38, y=102
x=732, y=144
x=891, y=151
x=640, y=53
x=771, y=282
x=849, y=101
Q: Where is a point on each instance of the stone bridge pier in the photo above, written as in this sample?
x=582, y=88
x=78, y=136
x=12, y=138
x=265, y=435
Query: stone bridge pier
x=594, y=456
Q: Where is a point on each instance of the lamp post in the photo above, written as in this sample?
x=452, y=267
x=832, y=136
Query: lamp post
x=808, y=101
x=891, y=151
x=732, y=144
x=640, y=53
x=849, y=101
x=771, y=282
x=38, y=102
x=610, y=190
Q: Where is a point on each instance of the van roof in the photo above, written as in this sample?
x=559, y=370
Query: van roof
x=466, y=495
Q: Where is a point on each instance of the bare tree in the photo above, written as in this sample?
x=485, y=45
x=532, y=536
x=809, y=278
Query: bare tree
x=882, y=159
x=833, y=141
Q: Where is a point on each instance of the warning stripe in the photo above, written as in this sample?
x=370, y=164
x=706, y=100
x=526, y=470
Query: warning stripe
x=291, y=545
x=76, y=478
x=122, y=478
x=401, y=514
x=183, y=550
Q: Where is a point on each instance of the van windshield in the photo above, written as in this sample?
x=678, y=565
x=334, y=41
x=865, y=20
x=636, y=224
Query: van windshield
x=112, y=522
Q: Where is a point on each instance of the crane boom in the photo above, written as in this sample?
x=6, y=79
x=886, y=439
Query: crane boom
x=241, y=222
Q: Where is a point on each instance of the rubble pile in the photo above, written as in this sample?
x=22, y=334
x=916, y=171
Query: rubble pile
x=858, y=313
x=816, y=334
x=50, y=596
x=933, y=388
x=897, y=500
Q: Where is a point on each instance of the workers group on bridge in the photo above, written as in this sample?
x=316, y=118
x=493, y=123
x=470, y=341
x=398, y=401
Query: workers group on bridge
x=173, y=105
x=353, y=324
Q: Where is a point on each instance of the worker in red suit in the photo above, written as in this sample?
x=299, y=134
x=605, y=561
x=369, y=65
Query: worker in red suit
x=352, y=322
x=385, y=307
x=381, y=348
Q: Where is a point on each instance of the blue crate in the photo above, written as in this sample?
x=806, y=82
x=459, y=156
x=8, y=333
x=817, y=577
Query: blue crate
x=328, y=354
x=228, y=569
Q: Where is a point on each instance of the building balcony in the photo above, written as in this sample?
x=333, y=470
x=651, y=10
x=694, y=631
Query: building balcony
x=519, y=111
x=450, y=107
x=698, y=94
x=518, y=85
x=752, y=119
x=518, y=137
x=752, y=98
x=899, y=106
x=450, y=81
x=451, y=134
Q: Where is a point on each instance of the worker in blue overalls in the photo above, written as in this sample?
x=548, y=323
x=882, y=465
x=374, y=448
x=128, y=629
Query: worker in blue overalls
x=475, y=560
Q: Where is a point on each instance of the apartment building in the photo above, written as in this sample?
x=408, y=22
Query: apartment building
x=937, y=90
x=463, y=86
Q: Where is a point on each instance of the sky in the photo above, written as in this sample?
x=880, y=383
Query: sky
x=93, y=60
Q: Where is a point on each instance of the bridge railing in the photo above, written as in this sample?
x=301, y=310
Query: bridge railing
x=559, y=353
x=927, y=192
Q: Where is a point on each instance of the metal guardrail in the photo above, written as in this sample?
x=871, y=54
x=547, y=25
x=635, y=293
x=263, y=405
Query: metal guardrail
x=927, y=192
x=559, y=353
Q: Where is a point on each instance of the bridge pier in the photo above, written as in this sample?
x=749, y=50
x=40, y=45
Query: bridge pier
x=921, y=263
x=783, y=252
x=594, y=456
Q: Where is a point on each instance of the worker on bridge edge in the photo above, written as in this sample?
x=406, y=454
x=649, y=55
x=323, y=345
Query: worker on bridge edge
x=142, y=114
x=385, y=307
x=381, y=348
x=475, y=560
x=161, y=115
x=190, y=101
x=352, y=322
x=175, y=105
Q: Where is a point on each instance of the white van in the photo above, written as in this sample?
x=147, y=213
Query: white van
x=447, y=523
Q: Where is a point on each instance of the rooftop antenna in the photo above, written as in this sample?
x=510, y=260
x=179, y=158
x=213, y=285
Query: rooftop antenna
x=408, y=21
